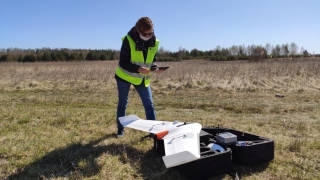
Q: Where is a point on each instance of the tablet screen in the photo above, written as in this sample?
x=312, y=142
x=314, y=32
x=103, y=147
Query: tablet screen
x=160, y=68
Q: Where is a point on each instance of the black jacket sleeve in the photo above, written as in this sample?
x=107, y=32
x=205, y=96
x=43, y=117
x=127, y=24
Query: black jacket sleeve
x=154, y=64
x=125, y=56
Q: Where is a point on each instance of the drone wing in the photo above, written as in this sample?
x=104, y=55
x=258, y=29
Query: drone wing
x=181, y=140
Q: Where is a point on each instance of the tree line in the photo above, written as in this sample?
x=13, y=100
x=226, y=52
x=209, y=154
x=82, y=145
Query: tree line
x=240, y=52
x=63, y=54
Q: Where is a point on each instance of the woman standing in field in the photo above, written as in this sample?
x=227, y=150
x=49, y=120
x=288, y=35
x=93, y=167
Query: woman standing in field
x=137, y=57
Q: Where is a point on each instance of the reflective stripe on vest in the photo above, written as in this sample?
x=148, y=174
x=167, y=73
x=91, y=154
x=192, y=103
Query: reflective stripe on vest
x=138, y=59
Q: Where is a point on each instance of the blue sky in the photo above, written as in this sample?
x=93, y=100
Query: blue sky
x=189, y=24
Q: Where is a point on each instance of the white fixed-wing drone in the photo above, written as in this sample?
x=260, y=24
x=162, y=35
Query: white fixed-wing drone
x=181, y=139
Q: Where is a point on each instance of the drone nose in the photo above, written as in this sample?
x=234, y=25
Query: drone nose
x=161, y=134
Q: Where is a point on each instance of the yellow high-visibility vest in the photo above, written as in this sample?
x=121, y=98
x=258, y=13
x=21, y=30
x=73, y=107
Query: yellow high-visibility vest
x=138, y=59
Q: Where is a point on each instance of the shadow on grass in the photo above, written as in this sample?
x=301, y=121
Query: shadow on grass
x=244, y=171
x=78, y=161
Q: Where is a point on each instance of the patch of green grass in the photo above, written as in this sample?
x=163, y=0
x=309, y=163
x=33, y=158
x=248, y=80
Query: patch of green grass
x=295, y=146
x=77, y=142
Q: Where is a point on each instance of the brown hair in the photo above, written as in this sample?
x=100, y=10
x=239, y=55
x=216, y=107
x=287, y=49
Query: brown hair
x=144, y=24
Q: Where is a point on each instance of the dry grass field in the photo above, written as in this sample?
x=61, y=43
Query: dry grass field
x=57, y=120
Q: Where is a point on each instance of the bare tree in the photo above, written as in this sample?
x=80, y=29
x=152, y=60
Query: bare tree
x=162, y=52
x=182, y=52
x=242, y=49
x=268, y=49
x=301, y=50
x=249, y=50
x=284, y=49
x=234, y=50
x=258, y=53
x=293, y=49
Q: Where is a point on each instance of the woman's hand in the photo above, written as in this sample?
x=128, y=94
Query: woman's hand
x=144, y=70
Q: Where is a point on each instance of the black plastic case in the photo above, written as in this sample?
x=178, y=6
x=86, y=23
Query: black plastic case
x=257, y=150
x=253, y=150
x=211, y=163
